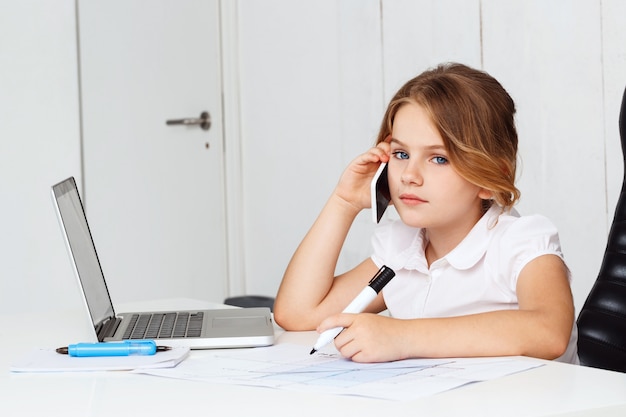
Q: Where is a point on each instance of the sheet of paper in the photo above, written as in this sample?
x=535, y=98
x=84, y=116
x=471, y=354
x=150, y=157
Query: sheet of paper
x=290, y=367
x=48, y=360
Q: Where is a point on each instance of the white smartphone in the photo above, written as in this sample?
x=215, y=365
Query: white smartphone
x=379, y=191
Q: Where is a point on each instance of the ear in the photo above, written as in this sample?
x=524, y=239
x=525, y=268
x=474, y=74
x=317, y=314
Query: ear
x=485, y=194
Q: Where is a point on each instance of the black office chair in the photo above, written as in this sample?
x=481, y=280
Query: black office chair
x=251, y=301
x=602, y=320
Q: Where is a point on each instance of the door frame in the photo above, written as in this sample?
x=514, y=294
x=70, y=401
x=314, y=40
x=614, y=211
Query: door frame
x=233, y=180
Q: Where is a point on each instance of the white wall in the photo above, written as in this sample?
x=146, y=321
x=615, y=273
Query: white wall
x=39, y=145
x=614, y=83
x=311, y=99
x=314, y=80
x=555, y=74
x=316, y=76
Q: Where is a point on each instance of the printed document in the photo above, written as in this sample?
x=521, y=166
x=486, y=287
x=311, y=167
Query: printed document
x=290, y=367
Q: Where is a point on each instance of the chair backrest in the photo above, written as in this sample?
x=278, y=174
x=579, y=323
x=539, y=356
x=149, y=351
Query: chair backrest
x=602, y=319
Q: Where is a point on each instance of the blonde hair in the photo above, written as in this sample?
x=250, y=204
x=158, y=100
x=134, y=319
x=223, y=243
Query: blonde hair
x=475, y=117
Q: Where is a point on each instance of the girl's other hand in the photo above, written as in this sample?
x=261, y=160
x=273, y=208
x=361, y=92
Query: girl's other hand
x=367, y=337
x=354, y=184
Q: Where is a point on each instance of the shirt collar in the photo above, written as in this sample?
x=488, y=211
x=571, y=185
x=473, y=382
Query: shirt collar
x=473, y=247
x=464, y=256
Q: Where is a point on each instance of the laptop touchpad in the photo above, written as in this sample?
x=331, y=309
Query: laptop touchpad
x=239, y=321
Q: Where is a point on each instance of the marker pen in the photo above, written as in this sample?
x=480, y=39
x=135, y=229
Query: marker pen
x=365, y=297
x=124, y=348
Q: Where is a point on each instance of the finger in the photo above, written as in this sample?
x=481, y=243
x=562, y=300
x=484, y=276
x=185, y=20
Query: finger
x=373, y=156
x=337, y=320
x=382, y=151
x=349, y=348
x=385, y=146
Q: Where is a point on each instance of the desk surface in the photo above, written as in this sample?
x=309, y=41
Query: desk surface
x=552, y=390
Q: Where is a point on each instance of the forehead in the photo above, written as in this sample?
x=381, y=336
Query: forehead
x=412, y=125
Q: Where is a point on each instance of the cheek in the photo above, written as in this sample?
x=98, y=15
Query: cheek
x=394, y=180
x=462, y=187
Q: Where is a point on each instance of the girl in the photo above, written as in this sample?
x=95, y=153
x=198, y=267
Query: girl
x=473, y=278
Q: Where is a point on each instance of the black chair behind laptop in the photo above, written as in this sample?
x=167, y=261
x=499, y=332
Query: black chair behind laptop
x=602, y=320
x=251, y=301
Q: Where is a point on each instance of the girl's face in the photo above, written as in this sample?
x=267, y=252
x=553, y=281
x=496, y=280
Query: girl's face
x=425, y=189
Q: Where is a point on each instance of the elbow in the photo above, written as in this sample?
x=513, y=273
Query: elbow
x=551, y=351
x=557, y=348
x=281, y=318
x=559, y=342
x=553, y=347
x=281, y=313
x=294, y=317
x=288, y=319
x=552, y=338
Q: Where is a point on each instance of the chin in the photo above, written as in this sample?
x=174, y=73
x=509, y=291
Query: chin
x=413, y=220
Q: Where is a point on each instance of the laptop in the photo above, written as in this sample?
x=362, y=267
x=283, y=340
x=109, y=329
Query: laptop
x=196, y=329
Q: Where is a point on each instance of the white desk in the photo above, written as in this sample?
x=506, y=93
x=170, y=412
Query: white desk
x=555, y=389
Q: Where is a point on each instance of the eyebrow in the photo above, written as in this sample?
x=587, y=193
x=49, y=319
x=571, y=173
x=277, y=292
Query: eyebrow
x=428, y=147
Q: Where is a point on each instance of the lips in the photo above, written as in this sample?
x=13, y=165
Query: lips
x=411, y=199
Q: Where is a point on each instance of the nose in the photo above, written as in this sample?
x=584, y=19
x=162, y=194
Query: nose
x=412, y=175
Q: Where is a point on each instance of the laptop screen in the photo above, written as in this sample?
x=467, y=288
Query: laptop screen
x=82, y=250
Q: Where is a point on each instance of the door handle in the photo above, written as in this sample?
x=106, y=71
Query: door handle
x=204, y=121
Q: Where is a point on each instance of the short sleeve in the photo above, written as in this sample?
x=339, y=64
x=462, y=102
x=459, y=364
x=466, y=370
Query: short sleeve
x=519, y=242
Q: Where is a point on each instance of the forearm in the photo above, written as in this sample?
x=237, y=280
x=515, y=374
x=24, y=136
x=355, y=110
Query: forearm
x=540, y=327
x=310, y=273
x=498, y=333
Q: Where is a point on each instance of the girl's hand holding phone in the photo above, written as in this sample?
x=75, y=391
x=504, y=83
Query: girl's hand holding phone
x=355, y=183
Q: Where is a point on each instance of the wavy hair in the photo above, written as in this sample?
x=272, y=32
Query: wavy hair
x=475, y=117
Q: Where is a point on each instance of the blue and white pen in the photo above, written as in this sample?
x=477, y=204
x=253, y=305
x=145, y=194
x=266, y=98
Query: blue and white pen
x=365, y=297
x=125, y=348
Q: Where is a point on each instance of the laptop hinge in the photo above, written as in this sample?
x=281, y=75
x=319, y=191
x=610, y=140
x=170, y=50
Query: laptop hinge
x=107, y=327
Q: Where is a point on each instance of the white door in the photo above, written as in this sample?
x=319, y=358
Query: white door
x=154, y=192
x=39, y=145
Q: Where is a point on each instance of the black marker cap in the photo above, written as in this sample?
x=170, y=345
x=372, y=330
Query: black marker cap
x=382, y=277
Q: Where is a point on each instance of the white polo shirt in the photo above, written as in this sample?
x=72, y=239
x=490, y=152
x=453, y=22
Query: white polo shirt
x=479, y=275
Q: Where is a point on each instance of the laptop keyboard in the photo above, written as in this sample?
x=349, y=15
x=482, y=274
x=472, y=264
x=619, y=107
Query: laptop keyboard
x=164, y=325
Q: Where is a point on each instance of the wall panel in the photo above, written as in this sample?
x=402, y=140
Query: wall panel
x=423, y=33
x=310, y=102
x=548, y=56
x=614, y=79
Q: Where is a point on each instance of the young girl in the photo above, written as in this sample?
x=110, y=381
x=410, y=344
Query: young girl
x=473, y=278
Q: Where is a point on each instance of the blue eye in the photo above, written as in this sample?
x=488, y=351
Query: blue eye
x=439, y=160
x=400, y=155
